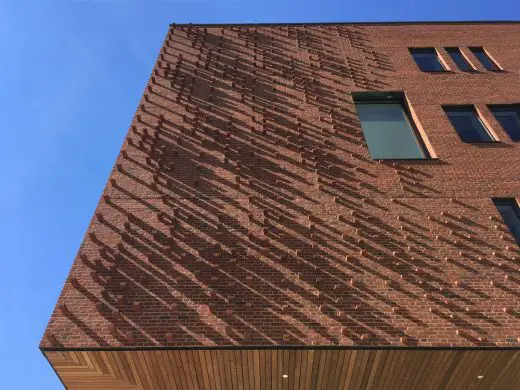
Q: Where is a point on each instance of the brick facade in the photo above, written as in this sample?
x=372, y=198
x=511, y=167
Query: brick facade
x=244, y=208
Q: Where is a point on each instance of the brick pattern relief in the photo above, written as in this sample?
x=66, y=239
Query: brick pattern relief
x=245, y=210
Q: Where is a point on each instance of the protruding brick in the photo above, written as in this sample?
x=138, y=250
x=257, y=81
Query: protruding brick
x=383, y=242
x=129, y=335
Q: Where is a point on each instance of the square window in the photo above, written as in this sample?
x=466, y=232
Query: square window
x=508, y=209
x=459, y=59
x=427, y=60
x=484, y=58
x=509, y=118
x=467, y=123
x=387, y=127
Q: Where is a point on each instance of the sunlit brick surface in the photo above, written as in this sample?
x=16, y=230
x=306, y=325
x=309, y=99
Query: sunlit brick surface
x=245, y=210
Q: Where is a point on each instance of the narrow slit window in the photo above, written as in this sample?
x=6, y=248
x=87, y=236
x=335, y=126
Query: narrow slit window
x=484, y=58
x=509, y=118
x=508, y=209
x=388, y=129
x=468, y=124
x=459, y=59
x=427, y=60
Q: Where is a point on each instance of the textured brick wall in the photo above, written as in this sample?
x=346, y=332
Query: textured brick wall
x=244, y=208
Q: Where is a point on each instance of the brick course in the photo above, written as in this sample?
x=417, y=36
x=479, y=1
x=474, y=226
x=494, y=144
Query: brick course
x=244, y=208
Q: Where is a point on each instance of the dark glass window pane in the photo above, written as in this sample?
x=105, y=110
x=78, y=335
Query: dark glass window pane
x=459, y=59
x=509, y=118
x=467, y=124
x=388, y=131
x=510, y=213
x=427, y=60
x=484, y=58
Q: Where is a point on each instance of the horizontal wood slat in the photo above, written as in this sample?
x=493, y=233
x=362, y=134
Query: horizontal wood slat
x=305, y=369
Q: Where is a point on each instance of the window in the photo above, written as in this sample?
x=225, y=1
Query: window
x=386, y=125
x=509, y=118
x=427, y=60
x=508, y=209
x=459, y=59
x=484, y=58
x=467, y=123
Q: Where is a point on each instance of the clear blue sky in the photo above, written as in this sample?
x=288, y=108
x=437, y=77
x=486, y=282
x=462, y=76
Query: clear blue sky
x=71, y=74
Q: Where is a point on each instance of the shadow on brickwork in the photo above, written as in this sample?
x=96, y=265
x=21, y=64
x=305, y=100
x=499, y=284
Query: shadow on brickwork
x=244, y=210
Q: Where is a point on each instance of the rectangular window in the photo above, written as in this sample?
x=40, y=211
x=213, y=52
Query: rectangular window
x=459, y=59
x=467, y=123
x=427, y=60
x=484, y=58
x=509, y=118
x=387, y=127
x=508, y=209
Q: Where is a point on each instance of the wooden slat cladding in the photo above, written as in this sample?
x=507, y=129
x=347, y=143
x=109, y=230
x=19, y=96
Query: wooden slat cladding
x=288, y=369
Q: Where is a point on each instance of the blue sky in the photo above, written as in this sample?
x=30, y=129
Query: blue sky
x=71, y=75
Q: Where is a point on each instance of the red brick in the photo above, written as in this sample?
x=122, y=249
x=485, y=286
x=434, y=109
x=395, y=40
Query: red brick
x=244, y=208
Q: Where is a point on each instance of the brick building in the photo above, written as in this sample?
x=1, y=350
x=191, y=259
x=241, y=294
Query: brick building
x=321, y=206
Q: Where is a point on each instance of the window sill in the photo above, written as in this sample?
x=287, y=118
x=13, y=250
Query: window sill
x=429, y=160
x=489, y=144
